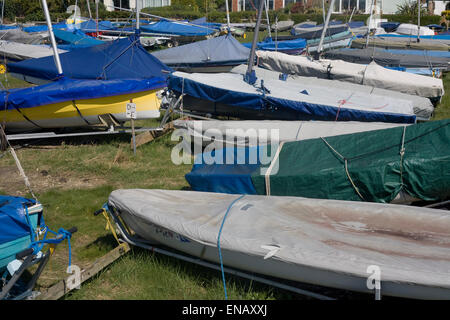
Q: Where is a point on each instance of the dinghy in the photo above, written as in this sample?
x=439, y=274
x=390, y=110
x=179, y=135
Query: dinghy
x=372, y=74
x=400, y=43
x=281, y=26
x=228, y=94
x=321, y=242
x=15, y=51
x=399, y=165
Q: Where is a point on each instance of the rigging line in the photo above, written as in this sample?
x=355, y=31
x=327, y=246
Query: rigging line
x=79, y=113
x=117, y=57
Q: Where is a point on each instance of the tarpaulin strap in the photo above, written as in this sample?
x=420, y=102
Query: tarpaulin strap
x=109, y=224
x=18, y=110
x=342, y=103
x=218, y=243
x=79, y=113
x=272, y=164
x=64, y=234
x=346, y=168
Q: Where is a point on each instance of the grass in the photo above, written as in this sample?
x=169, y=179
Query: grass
x=73, y=178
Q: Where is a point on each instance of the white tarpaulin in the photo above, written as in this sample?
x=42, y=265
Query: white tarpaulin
x=371, y=75
x=323, y=242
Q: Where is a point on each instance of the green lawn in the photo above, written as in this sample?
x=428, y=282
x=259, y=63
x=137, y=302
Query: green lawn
x=73, y=178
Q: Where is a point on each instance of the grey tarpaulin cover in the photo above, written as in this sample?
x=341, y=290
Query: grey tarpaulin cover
x=423, y=108
x=17, y=35
x=384, y=58
x=224, y=50
x=20, y=51
x=372, y=74
x=323, y=242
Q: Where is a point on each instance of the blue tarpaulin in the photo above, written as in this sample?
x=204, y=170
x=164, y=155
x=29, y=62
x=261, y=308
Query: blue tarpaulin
x=13, y=220
x=75, y=39
x=177, y=28
x=43, y=27
x=91, y=26
x=119, y=59
x=204, y=23
x=271, y=45
x=213, y=172
x=431, y=37
x=223, y=50
x=67, y=89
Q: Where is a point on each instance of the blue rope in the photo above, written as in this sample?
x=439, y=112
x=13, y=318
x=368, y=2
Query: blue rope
x=218, y=244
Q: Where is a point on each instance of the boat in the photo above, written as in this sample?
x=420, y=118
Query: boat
x=294, y=46
x=68, y=103
x=401, y=164
x=218, y=54
x=15, y=51
x=388, y=59
x=339, y=40
x=15, y=226
x=316, y=32
x=423, y=108
x=69, y=40
x=413, y=30
x=247, y=133
x=227, y=94
x=281, y=26
x=17, y=35
x=118, y=59
x=371, y=74
x=400, y=43
x=320, y=242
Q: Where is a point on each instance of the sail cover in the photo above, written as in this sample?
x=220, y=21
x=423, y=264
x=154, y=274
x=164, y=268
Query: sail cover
x=178, y=28
x=119, y=59
x=75, y=39
x=269, y=44
x=370, y=166
x=223, y=50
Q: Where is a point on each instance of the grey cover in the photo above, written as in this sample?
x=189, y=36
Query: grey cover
x=399, y=43
x=388, y=59
x=223, y=50
x=372, y=74
x=423, y=108
x=316, y=32
x=322, y=242
x=20, y=51
x=17, y=35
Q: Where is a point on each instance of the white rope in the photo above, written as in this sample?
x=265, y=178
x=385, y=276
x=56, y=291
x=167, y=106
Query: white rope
x=269, y=170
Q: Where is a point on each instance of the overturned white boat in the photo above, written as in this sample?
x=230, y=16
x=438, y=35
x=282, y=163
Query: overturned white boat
x=330, y=243
x=372, y=74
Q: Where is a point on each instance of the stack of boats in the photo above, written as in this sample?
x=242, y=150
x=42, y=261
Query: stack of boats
x=322, y=199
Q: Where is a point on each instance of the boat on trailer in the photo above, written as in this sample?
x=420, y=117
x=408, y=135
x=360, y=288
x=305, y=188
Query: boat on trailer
x=321, y=242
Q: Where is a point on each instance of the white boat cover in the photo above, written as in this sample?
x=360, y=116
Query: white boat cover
x=291, y=92
x=423, y=108
x=412, y=30
x=372, y=74
x=22, y=51
x=323, y=242
x=251, y=133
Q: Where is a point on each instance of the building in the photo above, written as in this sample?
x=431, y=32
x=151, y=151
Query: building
x=131, y=4
x=341, y=6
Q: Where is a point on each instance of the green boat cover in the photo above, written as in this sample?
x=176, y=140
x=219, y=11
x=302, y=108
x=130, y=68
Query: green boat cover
x=369, y=166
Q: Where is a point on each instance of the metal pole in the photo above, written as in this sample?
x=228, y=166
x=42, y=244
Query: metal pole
x=322, y=37
x=418, y=22
x=323, y=10
x=138, y=13
x=52, y=37
x=266, y=4
x=370, y=22
x=251, y=60
x=228, y=16
x=89, y=9
x=3, y=9
x=96, y=15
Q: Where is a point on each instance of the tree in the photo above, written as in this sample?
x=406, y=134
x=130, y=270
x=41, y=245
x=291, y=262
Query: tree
x=409, y=8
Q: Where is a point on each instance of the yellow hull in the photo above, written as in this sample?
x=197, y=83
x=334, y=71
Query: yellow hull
x=81, y=112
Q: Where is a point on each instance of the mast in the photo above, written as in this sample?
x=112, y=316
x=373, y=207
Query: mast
x=96, y=15
x=3, y=9
x=228, y=16
x=370, y=22
x=52, y=37
x=266, y=4
x=249, y=76
x=138, y=13
x=418, y=21
x=322, y=37
x=89, y=9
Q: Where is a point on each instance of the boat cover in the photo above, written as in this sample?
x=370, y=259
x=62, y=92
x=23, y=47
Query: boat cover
x=21, y=51
x=17, y=35
x=423, y=108
x=204, y=23
x=177, y=28
x=402, y=43
x=388, y=59
x=75, y=39
x=320, y=242
x=423, y=53
x=68, y=89
x=44, y=27
x=413, y=30
x=119, y=59
x=370, y=166
x=389, y=26
x=316, y=32
x=304, y=102
x=91, y=26
x=286, y=45
x=372, y=74
x=13, y=219
x=223, y=50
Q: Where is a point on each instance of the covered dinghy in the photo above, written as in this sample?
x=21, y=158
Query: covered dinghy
x=395, y=164
x=294, y=46
x=218, y=54
x=178, y=28
x=70, y=40
x=372, y=74
x=228, y=94
x=15, y=51
x=119, y=59
x=321, y=242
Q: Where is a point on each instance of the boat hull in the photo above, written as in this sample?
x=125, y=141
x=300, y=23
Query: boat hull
x=79, y=113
